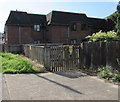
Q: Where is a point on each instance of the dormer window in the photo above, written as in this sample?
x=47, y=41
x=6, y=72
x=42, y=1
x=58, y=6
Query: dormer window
x=36, y=27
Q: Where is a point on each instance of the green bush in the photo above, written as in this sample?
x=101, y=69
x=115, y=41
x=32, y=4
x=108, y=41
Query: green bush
x=10, y=71
x=117, y=77
x=106, y=73
x=104, y=36
x=14, y=64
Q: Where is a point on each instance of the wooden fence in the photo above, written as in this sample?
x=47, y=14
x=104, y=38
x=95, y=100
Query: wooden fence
x=17, y=49
x=94, y=54
x=1, y=48
x=58, y=57
x=54, y=58
x=86, y=55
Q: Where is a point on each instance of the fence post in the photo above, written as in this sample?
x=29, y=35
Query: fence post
x=46, y=57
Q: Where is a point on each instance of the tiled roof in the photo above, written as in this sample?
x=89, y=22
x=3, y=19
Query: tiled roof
x=56, y=17
x=65, y=18
x=97, y=23
x=37, y=19
x=59, y=17
x=23, y=18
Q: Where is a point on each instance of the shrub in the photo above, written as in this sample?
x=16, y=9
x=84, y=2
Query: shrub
x=116, y=77
x=10, y=71
x=104, y=36
x=106, y=73
x=14, y=64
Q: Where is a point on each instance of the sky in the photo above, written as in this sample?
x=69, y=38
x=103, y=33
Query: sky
x=92, y=8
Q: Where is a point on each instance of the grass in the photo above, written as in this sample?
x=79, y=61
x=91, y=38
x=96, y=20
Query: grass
x=13, y=64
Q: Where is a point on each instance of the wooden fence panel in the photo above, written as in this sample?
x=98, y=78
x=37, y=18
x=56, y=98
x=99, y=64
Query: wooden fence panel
x=102, y=54
x=46, y=57
x=58, y=58
x=16, y=49
x=87, y=52
x=94, y=54
x=2, y=48
x=113, y=55
x=87, y=55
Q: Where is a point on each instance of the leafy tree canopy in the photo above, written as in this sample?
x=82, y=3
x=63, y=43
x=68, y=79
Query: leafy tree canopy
x=114, y=16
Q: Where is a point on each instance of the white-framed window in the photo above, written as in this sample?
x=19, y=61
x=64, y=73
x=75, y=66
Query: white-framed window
x=36, y=27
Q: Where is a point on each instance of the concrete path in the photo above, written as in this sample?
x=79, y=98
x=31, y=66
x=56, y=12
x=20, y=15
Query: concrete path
x=57, y=86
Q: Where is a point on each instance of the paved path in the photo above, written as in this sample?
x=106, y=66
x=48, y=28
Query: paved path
x=57, y=86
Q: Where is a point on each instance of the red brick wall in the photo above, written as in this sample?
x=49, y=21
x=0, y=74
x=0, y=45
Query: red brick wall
x=48, y=34
x=79, y=34
x=12, y=35
x=37, y=35
x=54, y=34
x=25, y=35
x=22, y=35
x=59, y=34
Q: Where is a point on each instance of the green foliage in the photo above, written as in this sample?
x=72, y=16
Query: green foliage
x=104, y=36
x=117, y=77
x=114, y=16
x=106, y=73
x=10, y=71
x=118, y=25
x=14, y=64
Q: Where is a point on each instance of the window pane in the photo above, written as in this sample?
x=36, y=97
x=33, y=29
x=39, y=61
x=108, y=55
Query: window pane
x=72, y=41
x=36, y=27
x=73, y=27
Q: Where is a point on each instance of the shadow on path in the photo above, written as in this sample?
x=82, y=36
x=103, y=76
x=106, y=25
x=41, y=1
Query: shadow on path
x=71, y=73
x=64, y=86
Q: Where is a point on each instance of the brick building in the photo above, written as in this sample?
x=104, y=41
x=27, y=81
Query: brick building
x=55, y=27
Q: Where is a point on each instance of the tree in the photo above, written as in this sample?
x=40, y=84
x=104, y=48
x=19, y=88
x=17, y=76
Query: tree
x=118, y=19
x=118, y=7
